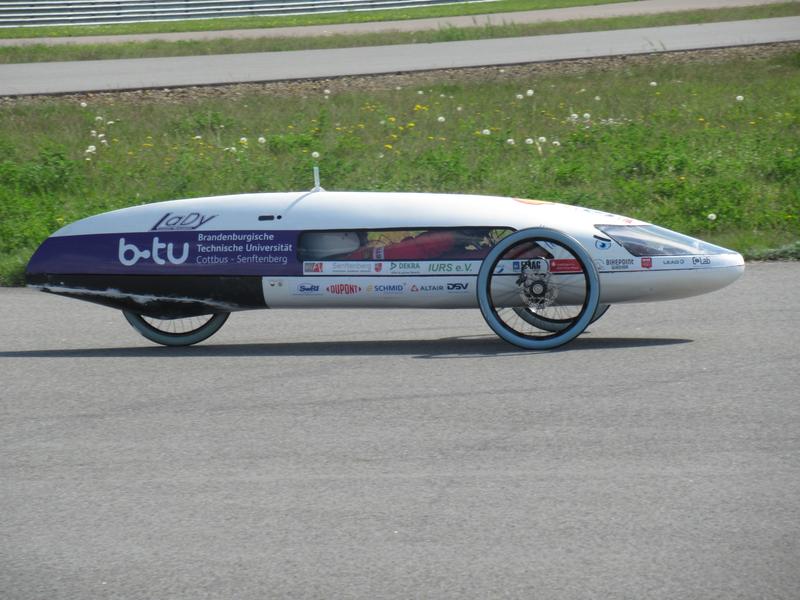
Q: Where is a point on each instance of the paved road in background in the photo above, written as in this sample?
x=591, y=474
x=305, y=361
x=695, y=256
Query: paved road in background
x=109, y=75
x=620, y=9
x=402, y=454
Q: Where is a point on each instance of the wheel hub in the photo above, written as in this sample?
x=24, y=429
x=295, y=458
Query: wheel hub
x=535, y=289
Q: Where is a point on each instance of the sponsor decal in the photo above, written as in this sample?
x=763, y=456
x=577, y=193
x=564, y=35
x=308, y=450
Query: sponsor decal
x=602, y=244
x=386, y=288
x=351, y=267
x=451, y=267
x=617, y=264
x=312, y=267
x=181, y=222
x=565, y=265
x=673, y=261
x=532, y=265
x=307, y=289
x=516, y=266
x=275, y=283
x=409, y=268
x=701, y=260
x=378, y=267
x=647, y=262
x=346, y=289
x=130, y=254
x=457, y=287
x=431, y=288
x=414, y=288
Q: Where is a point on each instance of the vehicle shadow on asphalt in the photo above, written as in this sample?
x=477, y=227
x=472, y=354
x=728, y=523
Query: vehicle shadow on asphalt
x=451, y=347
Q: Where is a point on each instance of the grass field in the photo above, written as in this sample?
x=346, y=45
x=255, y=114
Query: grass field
x=450, y=10
x=39, y=53
x=712, y=150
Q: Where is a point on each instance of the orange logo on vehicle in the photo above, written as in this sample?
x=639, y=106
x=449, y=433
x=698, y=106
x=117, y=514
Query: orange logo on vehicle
x=526, y=201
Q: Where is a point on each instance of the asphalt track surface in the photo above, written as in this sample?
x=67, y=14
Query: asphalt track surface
x=399, y=454
x=110, y=75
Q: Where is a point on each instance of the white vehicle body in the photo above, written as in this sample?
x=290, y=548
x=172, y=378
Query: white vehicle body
x=228, y=253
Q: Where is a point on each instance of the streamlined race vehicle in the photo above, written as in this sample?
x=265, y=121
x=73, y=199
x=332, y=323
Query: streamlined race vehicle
x=539, y=272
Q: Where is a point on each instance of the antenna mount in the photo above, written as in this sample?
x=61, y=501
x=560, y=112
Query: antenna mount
x=317, y=187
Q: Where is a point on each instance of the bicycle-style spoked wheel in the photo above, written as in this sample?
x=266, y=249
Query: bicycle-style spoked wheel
x=181, y=331
x=546, y=276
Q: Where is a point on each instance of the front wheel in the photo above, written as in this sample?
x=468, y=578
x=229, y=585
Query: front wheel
x=182, y=331
x=535, y=279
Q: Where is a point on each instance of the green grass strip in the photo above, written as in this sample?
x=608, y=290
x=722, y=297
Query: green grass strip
x=709, y=149
x=449, y=10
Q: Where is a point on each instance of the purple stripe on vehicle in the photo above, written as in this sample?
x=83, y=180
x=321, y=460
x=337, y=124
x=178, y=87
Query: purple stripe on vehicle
x=171, y=253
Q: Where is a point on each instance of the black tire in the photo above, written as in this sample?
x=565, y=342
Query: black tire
x=554, y=325
x=558, y=282
x=183, y=331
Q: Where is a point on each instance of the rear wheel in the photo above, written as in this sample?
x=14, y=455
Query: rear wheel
x=538, y=289
x=182, y=331
x=550, y=324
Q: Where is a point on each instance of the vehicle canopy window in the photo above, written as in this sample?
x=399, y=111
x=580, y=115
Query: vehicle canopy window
x=651, y=240
x=465, y=243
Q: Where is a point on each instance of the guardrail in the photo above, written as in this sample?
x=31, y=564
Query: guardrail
x=32, y=13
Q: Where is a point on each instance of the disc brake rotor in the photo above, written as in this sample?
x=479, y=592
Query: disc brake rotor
x=536, y=289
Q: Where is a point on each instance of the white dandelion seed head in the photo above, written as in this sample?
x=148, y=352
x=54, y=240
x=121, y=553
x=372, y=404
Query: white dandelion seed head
x=573, y=117
x=510, y=141
x=597, y=97
x=542, y=139
x=586, y=116
x=326, y=91
x=420, y=92
x=93, y=133
x=712, y=216
x=104, y=142
x=529, y=93
x=84, y=105
x=459, y=108
x=198, y=137
x=556, y=143
x=315, y=154
x=739, y=98
x=486, y=132
x=441, y=119
x=242, y=140
x=529, y=141
x=653, y=84
x=109, y=122
x=98, y=118
x=91, y=150
x=442, y=96
x=262, y=139
x=520, y=96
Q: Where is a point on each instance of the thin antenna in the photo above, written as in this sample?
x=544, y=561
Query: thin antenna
x=317, y=187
